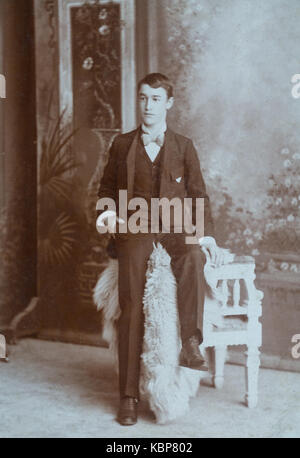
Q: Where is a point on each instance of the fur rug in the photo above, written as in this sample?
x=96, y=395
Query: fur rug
x=167, y=386
x=106, y=298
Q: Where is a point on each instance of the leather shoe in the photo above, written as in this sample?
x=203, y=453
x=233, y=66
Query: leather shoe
x=127, y=414
x=190, y=355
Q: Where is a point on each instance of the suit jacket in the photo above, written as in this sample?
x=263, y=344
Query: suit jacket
x=180, y=160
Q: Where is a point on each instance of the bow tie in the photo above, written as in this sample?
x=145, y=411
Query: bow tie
x=159, y=139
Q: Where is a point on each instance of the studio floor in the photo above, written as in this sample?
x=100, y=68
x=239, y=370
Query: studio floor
x=51, y=389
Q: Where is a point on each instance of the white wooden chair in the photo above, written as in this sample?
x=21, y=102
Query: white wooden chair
x=240, y=310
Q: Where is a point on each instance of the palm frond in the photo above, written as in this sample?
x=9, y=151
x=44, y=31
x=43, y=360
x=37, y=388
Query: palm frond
x=56, y=132
x=58, y=187
x=55, y=161
x=62, y=141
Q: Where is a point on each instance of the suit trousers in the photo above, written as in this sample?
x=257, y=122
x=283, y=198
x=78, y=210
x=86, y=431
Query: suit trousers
x=187, y=262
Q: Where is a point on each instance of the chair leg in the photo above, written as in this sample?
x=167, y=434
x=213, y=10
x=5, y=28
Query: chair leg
x=208, y=354
x=220, y=355
x=252, y=367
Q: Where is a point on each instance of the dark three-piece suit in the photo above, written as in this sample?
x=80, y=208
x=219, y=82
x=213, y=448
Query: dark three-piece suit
x=174, y=173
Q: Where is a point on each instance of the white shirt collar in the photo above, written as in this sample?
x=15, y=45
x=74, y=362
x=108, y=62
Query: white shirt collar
x=161, y=129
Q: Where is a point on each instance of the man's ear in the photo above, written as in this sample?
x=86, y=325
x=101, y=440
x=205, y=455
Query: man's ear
x=170, y=103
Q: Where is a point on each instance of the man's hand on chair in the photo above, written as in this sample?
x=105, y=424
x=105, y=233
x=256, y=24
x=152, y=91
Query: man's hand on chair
x=106, y=222
x=211, y=250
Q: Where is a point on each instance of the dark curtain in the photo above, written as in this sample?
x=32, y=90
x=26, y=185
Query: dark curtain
x=18, y=212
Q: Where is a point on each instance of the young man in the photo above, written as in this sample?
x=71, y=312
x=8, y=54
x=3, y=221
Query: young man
x=155, y=162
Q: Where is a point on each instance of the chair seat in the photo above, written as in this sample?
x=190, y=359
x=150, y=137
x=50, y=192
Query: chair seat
x=232, y=323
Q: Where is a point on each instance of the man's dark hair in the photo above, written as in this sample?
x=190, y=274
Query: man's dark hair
x=157, y=80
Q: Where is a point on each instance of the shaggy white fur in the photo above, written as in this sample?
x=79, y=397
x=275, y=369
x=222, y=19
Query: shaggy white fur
x=167, y=385
x=106, y=298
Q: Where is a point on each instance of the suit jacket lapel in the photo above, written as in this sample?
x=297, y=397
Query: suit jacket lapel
x=130, y=160
x=171, y=160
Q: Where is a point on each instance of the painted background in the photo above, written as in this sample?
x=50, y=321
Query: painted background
x=232, y=62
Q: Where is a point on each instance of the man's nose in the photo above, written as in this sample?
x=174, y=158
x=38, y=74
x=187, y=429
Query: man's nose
x=148, y=104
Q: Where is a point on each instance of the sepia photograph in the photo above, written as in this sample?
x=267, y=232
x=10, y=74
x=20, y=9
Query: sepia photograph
x=149, y=221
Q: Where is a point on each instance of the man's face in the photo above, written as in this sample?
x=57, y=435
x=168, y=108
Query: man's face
x=154, y=104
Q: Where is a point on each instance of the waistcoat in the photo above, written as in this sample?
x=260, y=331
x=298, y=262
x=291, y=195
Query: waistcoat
x=146, y=179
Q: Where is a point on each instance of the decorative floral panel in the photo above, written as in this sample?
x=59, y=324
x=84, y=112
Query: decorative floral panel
x=95, y=32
